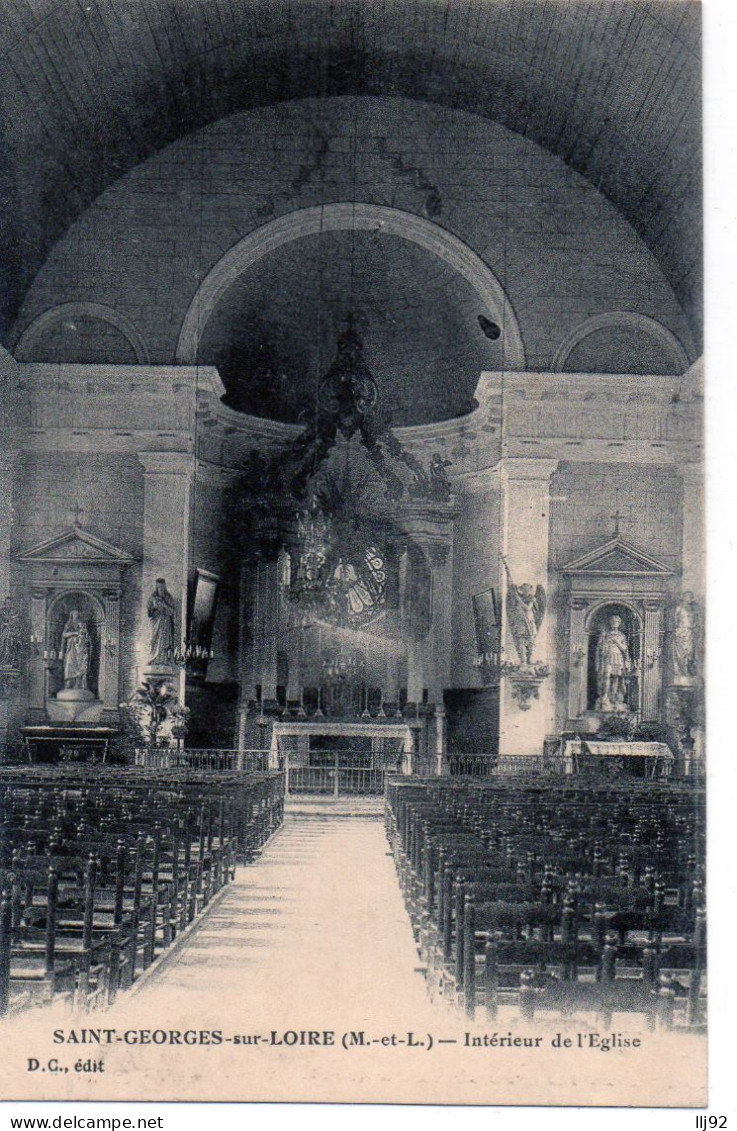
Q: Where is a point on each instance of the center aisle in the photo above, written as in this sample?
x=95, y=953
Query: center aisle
x=313, y=934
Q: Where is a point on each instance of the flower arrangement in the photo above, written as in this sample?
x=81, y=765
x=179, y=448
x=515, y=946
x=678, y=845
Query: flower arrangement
x=153, y=715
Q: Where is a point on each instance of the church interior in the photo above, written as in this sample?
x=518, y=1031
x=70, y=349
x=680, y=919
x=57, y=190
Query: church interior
x=352, y=468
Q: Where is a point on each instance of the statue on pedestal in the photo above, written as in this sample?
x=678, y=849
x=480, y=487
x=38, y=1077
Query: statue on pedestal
x=684, y=641
x=613, y=665
x=161, y=610
x=76, y=648
x=526, y=611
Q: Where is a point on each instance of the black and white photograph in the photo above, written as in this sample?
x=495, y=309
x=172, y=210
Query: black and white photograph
x=352, y=552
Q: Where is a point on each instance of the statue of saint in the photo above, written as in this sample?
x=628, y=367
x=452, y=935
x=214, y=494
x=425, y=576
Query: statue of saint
x=76, y=649
x=161, y=612
x=10, y=641
x=525, y=613
x=685, y=633
x=440, y=487
x=613, y=665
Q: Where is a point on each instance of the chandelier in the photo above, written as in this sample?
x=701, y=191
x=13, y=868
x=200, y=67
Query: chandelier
x=313, y=548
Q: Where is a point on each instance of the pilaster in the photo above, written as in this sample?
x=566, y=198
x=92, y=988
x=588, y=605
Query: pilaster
x=524, y=722
x=577, y=658
x=167, y=519
x=652, y=659
x=692, y=551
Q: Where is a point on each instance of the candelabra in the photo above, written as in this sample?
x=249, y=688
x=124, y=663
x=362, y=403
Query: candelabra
x=488, y=666
x=190, y=653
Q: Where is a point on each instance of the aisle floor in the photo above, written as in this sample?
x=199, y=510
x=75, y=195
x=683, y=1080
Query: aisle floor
x=315, y=929
x=314, y=937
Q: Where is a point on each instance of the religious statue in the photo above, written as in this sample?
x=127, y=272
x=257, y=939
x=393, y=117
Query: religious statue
x=613, y=665
x=525, y=610
x=161, y=610
x=440, y=487
x=76, y=650
x=685, y=637
x=10, y=640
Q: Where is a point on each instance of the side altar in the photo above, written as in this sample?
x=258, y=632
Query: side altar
x=75, y=584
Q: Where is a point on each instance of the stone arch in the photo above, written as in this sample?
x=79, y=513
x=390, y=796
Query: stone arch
x=611, y=599
x=627, y=320
x=35, y=330
x=93, y=611
x=359, y=217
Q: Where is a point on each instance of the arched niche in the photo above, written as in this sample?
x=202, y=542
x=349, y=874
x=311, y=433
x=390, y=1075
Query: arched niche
x=74, y=570
x=616, y=579
x=620, y=341
x=92, y=614
x=598, y=621
x=79, y=319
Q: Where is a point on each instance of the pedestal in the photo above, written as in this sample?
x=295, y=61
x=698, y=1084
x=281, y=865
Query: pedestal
x=74, y=705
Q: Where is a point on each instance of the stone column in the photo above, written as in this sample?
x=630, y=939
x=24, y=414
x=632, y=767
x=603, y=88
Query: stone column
x=577, y=658
x=438, y=677
x=415, y=671
x=245, y=655
x=38, y=667
x=391, y=658
x=652, y=643
x=524, y=722
x=166, y=540
x=440, y=555
x=694, y=531
x=416, y=649
x=110, y=648
x=268, y=585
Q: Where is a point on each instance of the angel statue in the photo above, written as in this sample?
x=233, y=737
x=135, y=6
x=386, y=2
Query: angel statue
x=526, y=611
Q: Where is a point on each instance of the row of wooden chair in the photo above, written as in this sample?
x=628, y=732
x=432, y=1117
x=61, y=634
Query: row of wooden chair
x=534, y=915
x=98, y=876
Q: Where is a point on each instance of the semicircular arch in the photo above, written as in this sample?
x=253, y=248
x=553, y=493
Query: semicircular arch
x=626, y=320
x=35, y=330
x=346, y=217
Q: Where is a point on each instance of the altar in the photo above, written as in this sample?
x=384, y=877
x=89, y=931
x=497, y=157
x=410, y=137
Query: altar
x=67, y=743
x=642, y=759
x=377, y=732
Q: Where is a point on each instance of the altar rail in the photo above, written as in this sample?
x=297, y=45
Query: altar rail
x=203, y=758
x=469, y=765
x=329, y=781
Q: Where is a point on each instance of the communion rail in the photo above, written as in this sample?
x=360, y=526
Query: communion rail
x=205, y=758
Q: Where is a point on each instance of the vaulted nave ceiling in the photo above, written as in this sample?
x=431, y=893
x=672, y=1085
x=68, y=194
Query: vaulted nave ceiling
x=91, y=88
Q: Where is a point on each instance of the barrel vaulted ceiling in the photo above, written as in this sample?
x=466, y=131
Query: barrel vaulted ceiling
x=91, y=88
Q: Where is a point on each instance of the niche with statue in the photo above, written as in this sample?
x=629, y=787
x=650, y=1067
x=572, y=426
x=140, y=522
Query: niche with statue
x=75, y=621
x=617, y=595
x=75, y=583
x=613, y=659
